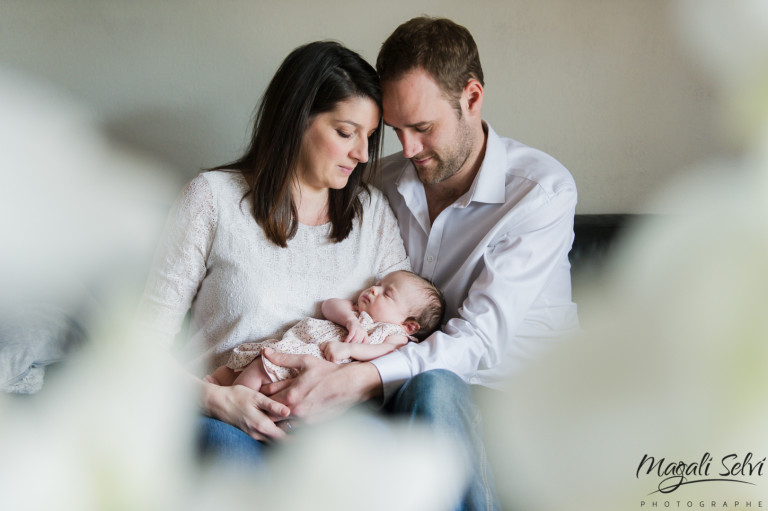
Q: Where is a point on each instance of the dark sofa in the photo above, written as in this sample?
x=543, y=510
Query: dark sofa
x=595, y=239
x=595, y=236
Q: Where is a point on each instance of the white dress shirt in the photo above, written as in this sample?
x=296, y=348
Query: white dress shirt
x=500, y=256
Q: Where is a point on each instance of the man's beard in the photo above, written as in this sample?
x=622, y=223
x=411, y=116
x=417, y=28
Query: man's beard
x=454, y=158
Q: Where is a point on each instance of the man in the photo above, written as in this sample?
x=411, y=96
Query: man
x=487, y=219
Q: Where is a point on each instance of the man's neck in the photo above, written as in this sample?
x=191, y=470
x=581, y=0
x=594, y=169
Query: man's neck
x=445, y=193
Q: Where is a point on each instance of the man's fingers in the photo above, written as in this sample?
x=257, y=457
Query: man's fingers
x=286, y=359
x=275, y=387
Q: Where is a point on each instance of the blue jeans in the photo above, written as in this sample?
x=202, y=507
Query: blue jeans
x=220, y=442
x=443, y=400
x=439, y=398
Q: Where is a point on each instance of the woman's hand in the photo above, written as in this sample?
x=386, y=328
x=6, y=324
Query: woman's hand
x=246, y=409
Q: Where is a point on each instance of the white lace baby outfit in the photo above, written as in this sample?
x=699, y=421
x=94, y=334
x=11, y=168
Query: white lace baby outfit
x=305, y=338
x=216, y=260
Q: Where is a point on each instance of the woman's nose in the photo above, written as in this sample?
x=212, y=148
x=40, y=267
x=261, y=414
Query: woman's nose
x=360, y=150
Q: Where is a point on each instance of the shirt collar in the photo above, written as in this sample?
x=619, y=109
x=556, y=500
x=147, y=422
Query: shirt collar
x=489, y=183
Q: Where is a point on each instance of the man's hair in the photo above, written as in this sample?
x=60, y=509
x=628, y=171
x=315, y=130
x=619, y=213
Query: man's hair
x=439, y=46
x=430, y=317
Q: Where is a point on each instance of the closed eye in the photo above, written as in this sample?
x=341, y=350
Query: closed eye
x=343, y=134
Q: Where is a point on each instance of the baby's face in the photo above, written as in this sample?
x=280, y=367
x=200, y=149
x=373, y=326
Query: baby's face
x=393, y=299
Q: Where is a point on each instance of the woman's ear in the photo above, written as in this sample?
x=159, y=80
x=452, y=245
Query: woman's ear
x=410, y=326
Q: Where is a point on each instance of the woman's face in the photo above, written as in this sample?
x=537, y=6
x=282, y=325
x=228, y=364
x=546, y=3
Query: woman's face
x=335, y=142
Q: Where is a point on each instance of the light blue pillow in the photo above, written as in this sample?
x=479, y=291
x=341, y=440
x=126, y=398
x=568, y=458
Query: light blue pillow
x=32, y=338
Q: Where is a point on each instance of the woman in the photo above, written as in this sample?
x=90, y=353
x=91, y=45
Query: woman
x=257, y=244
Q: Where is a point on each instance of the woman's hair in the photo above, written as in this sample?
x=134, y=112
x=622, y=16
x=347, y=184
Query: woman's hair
x=430, y=317
x=312, y=80
x=440, y=47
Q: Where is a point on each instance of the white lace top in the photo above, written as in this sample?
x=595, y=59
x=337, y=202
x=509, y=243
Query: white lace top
x=242, y=287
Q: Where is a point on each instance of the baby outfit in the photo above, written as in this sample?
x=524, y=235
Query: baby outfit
x=305, y=338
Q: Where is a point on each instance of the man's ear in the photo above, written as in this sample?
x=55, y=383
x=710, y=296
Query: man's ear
x=410, y=326
x=473, y=96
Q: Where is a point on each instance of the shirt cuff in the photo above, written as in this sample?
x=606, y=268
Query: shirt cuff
x=394, y=371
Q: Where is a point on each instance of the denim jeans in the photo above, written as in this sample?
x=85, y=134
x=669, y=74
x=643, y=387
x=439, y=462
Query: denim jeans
x=439, y=398
x=444, y=401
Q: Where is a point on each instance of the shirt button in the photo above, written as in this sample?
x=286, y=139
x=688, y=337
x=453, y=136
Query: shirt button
x=430, y=259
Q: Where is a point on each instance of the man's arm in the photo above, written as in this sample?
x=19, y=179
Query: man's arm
x=487, y=329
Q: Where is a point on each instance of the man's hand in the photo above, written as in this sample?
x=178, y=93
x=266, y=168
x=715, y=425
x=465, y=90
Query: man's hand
x=335, y=351
x=322, y=388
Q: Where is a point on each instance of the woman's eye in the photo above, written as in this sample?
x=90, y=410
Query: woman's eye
x=343, y=134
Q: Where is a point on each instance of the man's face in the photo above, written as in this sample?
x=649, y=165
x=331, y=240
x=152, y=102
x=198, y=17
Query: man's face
x=436, y=140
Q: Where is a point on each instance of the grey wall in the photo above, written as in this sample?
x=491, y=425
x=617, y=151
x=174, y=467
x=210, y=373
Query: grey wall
x=603, y=85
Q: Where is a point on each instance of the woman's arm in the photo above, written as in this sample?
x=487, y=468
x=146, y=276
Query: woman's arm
x=178, y=270
x=342, y=312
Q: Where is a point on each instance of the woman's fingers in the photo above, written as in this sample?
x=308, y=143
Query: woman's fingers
x=264, y=430
x=251, y=411
x=271, y=406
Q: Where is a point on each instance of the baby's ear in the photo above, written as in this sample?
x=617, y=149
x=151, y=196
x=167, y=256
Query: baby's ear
x=410, y=326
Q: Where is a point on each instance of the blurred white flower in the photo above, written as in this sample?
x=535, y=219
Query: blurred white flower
x=675, y=362
x=730, y=40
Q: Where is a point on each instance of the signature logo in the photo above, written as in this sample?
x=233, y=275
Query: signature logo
x=671, y=475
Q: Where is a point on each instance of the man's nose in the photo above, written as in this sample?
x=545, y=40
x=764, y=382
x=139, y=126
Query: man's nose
x=411, y=144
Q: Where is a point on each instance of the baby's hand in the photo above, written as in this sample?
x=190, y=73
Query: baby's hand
x=357, y=333
x=335, y=351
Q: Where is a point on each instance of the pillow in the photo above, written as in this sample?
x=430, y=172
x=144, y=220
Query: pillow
x=31, y=338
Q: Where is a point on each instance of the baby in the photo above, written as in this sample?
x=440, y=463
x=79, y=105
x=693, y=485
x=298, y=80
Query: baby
x=400, y=307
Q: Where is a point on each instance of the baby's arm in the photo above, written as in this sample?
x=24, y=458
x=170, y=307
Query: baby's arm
x=336, y=351
x=342, y=312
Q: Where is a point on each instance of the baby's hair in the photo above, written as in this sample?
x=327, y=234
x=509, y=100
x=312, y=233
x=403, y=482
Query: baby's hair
x=430, y=317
